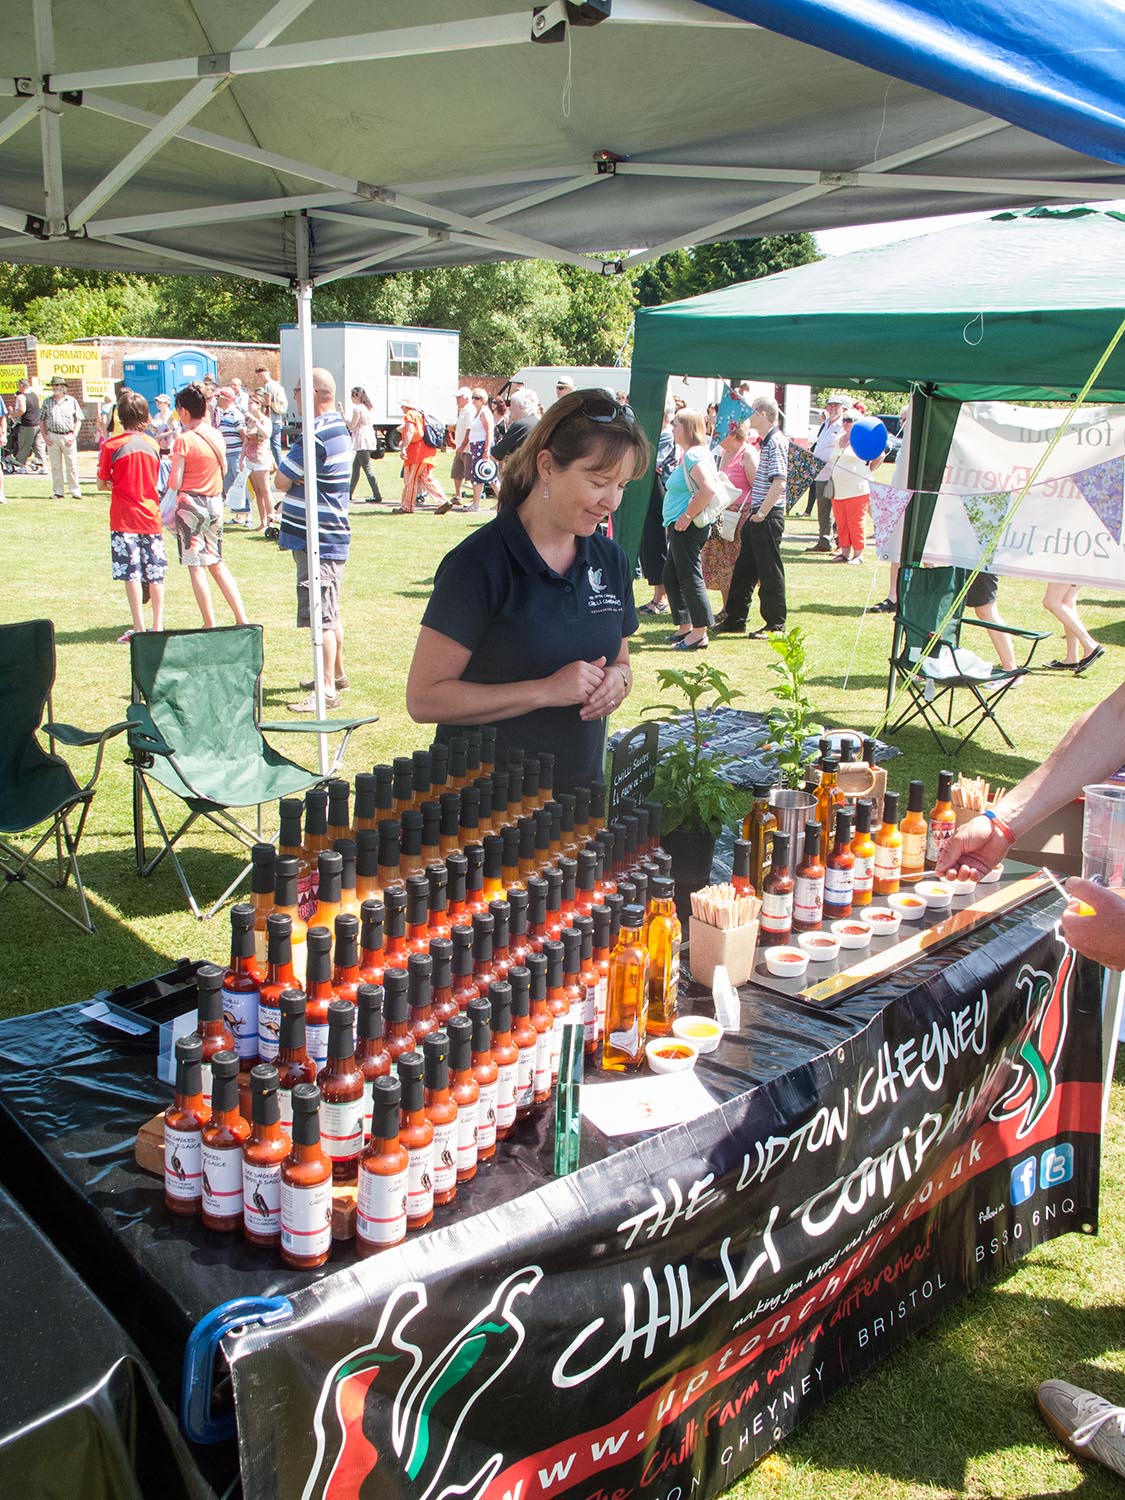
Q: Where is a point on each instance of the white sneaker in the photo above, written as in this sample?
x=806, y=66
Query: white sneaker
x=308, y=705
x=1085, y=1422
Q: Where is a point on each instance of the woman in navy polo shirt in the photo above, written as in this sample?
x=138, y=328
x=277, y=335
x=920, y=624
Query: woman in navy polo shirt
x=527, y=626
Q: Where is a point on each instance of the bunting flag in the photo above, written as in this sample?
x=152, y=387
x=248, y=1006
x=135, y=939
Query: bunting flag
x=887, y=507
x=986, y=516
x=1103, y=489
x=802, y=470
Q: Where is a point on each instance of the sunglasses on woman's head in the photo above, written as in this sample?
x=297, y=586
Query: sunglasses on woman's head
x=602, y=409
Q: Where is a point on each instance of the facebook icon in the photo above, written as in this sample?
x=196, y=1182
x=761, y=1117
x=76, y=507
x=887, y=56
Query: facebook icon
x=1056, y=1166
x=1024, y=1175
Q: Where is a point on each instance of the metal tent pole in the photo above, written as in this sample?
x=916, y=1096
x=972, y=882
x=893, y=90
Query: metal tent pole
x=304, y=290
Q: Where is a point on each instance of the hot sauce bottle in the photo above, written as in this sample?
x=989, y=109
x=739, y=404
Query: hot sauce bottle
x=294, y=1065
x=457, y=872
x=604, y=843
x=380, y=1218
x=316, y=839
x=211, y=1022
x=627, y=1001
x=586, y=869
x=285, y=901
x=466, y=1094
x=543, y=1023
x=445, y=1007
x=602, y=918
x=411, y=859
x=306, y=1187
x=518, y=945
x=483, y=927
x=341, y=1095
x=318, y=993
x=364, y=812
x=263, y=879
x=290, y=844
x=808, y=886
x=943, y=820
x=863, y=848
x=469, y=822
x=417, y=1134
x=330, y=869
x=419, y=992
x=396, y=1013
x=775, y=920
x=431, y=833
x=263, y=1152
x=486, y=1075
x=505, y=1055
x=394, y=928
x=370, y=1049
x=339, y=817
x=279, y=977
x=439, y=767
x=221, y=1144
x=525, y=1037
x=403, y=785
x=558, y=1001
x=418, y=914
x=493, y=865
x=568, y=872
x=450, y=825
x=537, y=933
x=913, y=830
x=390, y=845
x=665, y=938
x=839, y=872
x=587, y=981
x=345, y=965
x=371, y=954
x=423, y=776
x=242, y=984
x=441, y=1111
x=367, y=884
x=348, y=850
x=183, y=1125
x=888, y=849
x=474, y=880
x=438, y=878
x=464, y=986
x=501, y=914
x=740, y=876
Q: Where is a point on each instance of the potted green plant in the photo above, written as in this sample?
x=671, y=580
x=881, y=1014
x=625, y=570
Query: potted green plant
x=794, y=720
x=698, y=802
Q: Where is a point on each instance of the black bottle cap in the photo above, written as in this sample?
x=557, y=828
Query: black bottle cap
x=417, y=900
x=371, y=930
x=411, y=1068
x=640, y=887
x=812, y=839
x=472, y=748
x=572, y=950
x=339, y=796
x=318, y=947
x=367, y=853
x=441, y=953
x=944, y=786
x=500, y=998
x=306, y=1114
x=369, y=1012
x=364, y=806
x=526, y=829
x=279, y=938
x=450, y=804
x=458, y=750
x=224, y=1082
x=487, y=744
x=209, y=992
x=597, y=799
x=431, y=824
x=553, y=878
x=348, y=850
x=435, y=1056
x=870, y=751
x=189, y=1065
x=585, y=926
x=568, y=874
x=384, y=787
x=581, y=806
x=410, y=841
x=499, y=792
x=890, y=808
x=546, y=770
x=553, y=953
x=586, y=867
x=501, y=914
x=780, y=851
x=390, y=840
x=480, y=1014
x=265, y=1109
x=537, y=968
x=484, y=926
x=330, y=868
x=863, y=816
x=843, y=825
x=536, y=900
x=396, y=1004
x=517, y=913
x=566, y=804
x=438, y=878
x=291, y=811
x=285, y=881
x=602, y=919
x=762, y=791
x=509, y=847
x=627, y=891
x=460, y=1032
x=386, y=1103
x=341, y=1030
x=403, y=783
x=242, y=930
x=347, y=940
x=262, y=860
x=394, y=912
x=515, y=782
x=530, y=776
x=423, y=770
x=632, y=916
x=420, y=980
x=542, y=820
x=493, y=856
x=655, y=819
x=847, y=751
x=514, y=755
x=470, y=809
x=439, y=763
x=632, y=828
x=915, y=796
x=483, y=787
x=291, y=1004
x=741, y=860
x=474, y=869
x=462, y=940
x=457, y=869
x=519, y=982
x=316, y=810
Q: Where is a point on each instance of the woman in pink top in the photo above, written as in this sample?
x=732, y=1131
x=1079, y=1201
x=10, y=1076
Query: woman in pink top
x=737, y=456
x=198, y=462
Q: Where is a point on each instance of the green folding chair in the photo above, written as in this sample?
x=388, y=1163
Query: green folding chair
x=945, y=685
x=195, y=730
x=38, y=790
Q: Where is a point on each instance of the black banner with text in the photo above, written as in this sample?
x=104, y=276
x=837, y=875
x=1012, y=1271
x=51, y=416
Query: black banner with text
x=650, y=1327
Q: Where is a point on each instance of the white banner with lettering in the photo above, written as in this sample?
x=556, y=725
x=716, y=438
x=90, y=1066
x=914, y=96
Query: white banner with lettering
x=1069, y=525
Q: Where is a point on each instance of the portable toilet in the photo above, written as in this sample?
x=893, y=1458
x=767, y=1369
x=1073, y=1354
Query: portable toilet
x=156, y=376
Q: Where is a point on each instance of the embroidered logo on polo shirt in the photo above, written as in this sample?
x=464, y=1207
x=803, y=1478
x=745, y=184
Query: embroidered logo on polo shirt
x=597, y=580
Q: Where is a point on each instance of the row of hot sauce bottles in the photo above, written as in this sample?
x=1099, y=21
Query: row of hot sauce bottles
x=474, y=917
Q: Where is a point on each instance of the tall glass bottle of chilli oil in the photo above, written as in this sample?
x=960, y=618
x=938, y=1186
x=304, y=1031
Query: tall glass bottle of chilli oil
x=828, y=798
x=758, y=828
x=665, y=937
x=627, y=998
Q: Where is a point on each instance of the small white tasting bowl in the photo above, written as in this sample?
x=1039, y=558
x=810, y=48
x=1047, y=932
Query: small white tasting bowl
x=822, y=947
x=786, y=963
x=703, y=1033
x=910, y=906
x=935, y=893
x=962, y=887
x=883, y=922
x=852, y=932
x=661, y=1054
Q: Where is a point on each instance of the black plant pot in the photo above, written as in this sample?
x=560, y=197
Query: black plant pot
x=692, y=852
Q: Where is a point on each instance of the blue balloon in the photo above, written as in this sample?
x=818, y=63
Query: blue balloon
x=869, y=438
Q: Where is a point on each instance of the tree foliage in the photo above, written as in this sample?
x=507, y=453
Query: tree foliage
x=708, y=268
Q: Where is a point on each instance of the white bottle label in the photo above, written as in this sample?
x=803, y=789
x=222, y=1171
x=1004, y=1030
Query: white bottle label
x=381, y=1208
x=506, y=1095
x=241, y=1011
x=261, y=1197
x=913, y=851
x=544, y=1052
x=207, y=1080
x=285, y=1104
x=838, y=886
x=445, y=1156
x=368, y=1107
x=864, y=873
x=269, y=1032
x=627, y=1041
x=590, y=1015
x=341, y=1129
x=776, y=914
x=525, y=1075
x=420, y=1181
x=222, y=1181
x=306, y=1218
x=486, y=1116
x=603, y=993
x=938, y=835
x=808, y=898
x=316, y=1044
x=468, y=1123
x=183, y=1164
x=888, y=861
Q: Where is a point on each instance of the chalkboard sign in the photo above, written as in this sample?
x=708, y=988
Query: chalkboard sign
x=633, y=766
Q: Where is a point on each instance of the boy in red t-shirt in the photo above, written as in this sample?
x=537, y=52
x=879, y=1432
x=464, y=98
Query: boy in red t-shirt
x=129, y=467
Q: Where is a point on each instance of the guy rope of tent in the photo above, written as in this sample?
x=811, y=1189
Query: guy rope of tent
x=958, y=601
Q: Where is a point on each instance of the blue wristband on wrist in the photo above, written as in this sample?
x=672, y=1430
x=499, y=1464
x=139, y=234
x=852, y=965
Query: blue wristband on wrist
x=1002, y=826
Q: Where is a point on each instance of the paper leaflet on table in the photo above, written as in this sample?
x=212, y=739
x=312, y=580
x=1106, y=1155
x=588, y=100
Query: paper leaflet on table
x=644, y=1104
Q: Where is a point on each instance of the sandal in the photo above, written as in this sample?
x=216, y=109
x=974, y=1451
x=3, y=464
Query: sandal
x=653, y=607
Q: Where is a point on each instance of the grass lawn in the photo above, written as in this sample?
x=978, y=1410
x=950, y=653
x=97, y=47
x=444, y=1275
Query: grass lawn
x=952, y=1414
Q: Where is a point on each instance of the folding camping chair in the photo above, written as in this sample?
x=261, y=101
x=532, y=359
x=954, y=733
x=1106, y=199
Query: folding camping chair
x=194, y=728
x=37, y=787
x=942, y=668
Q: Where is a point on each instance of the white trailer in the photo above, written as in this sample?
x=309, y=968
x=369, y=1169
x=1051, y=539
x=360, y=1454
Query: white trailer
x=393, y=365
